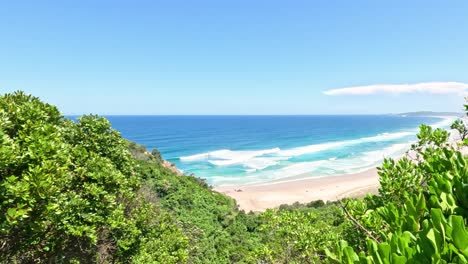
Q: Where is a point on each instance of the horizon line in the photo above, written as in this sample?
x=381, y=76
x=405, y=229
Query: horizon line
x=337, y=114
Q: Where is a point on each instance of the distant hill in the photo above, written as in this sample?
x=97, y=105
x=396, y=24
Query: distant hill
x=430, y=113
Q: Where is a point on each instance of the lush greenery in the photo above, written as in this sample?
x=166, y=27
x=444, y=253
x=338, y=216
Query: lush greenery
x=77, y=192
x=421, y=213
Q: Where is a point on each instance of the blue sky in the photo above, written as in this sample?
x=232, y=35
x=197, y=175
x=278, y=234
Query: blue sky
x=233, y=57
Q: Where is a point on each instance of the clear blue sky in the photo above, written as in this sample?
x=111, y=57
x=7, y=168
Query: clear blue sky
x=232, y=57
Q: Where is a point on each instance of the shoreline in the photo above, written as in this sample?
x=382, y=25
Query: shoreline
x=259, y=197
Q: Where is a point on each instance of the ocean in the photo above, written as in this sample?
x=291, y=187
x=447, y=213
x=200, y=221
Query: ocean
x=233, y=150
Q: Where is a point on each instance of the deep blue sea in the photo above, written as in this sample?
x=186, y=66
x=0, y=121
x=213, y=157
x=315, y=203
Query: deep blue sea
x=252, y=149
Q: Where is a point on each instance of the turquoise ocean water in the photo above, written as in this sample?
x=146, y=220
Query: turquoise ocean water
x=231, y=150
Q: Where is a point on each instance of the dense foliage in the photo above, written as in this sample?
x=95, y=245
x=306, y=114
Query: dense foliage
x=71, y=191
x=77, y=192
x=421, y=213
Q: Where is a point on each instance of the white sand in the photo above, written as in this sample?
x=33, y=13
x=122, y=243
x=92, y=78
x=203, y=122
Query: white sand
x=268, y=195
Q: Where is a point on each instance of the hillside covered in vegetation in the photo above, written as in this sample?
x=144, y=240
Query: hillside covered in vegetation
x=77, y=192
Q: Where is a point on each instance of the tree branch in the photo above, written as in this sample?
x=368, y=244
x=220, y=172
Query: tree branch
x=356, y=223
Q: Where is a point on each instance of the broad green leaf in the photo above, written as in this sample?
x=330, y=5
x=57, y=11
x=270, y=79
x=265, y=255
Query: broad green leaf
x=460, y=235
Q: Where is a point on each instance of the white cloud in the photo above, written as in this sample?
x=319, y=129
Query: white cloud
x=429, y=87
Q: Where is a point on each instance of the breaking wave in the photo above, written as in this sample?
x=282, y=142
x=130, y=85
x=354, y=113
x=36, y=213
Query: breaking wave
x=275, y=163
x=261, y=159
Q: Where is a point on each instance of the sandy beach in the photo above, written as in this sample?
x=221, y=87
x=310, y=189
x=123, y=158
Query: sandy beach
x=259, y=197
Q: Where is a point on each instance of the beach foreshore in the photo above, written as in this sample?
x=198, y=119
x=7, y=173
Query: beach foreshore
x=260, y=197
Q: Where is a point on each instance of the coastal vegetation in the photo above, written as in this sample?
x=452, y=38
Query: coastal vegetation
x=77, y=192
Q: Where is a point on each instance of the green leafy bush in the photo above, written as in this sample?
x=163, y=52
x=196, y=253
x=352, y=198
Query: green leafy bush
x=423, y=222
x=69, y=190
x=299, y=235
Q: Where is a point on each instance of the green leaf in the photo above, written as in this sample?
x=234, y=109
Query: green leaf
x=434, y=239
x=459, y=234
x=350, y=255
x=11, y=212
x=396, y=259
x=384, y=252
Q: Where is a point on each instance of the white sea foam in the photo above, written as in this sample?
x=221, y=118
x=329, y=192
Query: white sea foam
x=321, y=168
x=326, y=146
x=387, y=136
x=296, y=169
x=226, y=154
x=445, y=122
x=311, y=148
x=259, y=163
x=251, y=159
x=203, y=156
x=256, y=161
x=246, y=161
x=388, y=152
